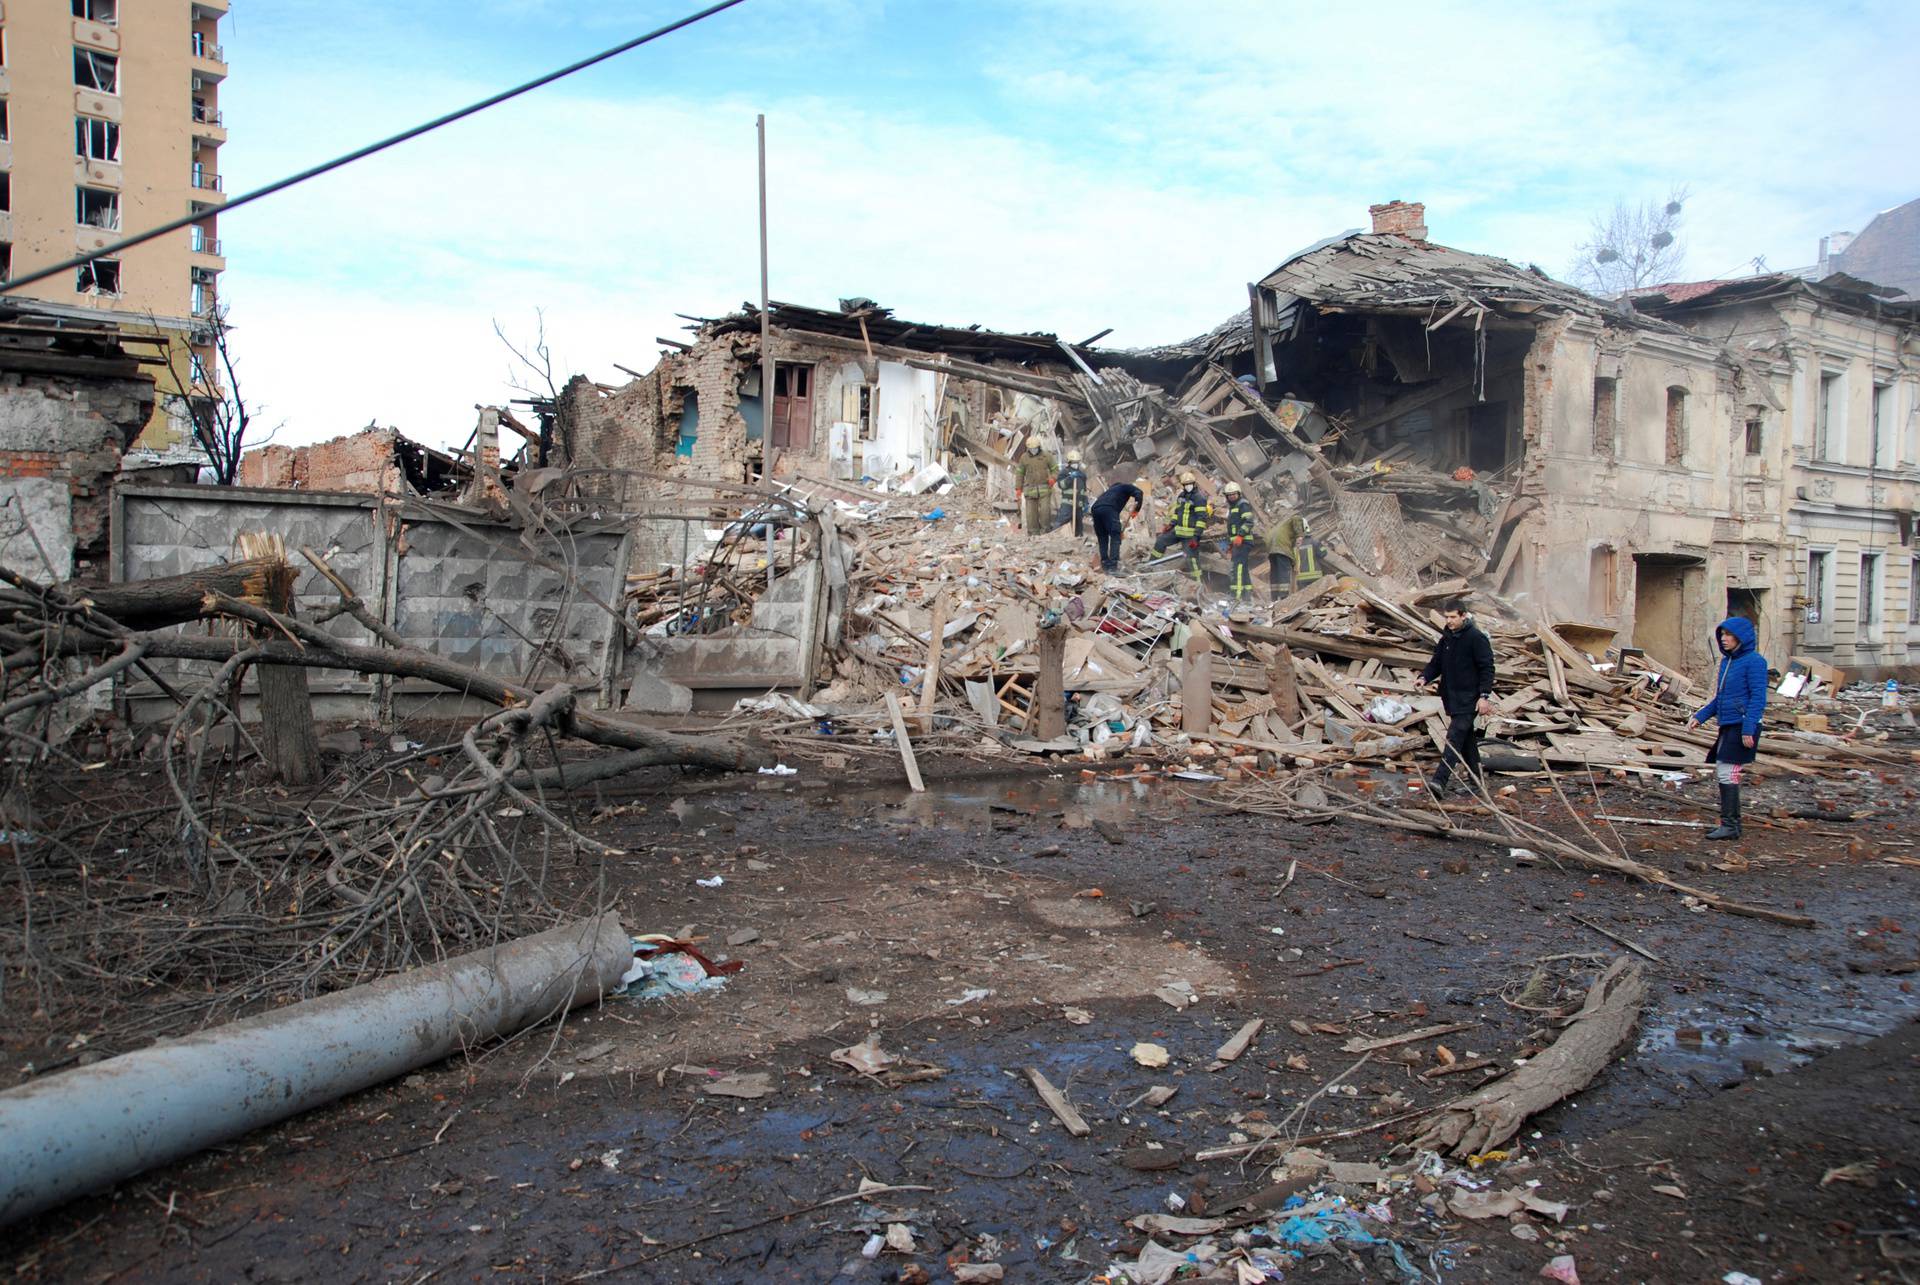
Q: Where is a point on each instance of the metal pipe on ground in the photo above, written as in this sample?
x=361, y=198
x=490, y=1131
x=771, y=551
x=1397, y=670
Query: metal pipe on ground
x=97, y=1125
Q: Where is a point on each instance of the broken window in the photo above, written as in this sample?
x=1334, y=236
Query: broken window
x=5, y=129
x=1606, y=394
x=1829, y=426
x=96, y=207
x=1756, y=437
x=858, y=403
x=1883, y=426
x=1676, y=425
x=1869, y=596
x=6, y=261
x=1602, y=573
x=6, y=190
x=97, y=140
x=104, y=11
x=689, y=421
x=96, y=71
x=1819, y=589
x=102, y=276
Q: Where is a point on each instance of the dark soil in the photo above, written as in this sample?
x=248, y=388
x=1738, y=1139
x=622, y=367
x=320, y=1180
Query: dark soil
x=1769, y=1057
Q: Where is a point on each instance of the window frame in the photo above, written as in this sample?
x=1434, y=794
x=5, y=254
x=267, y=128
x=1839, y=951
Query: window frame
x=93, y=270
x=1829, y=415
x=81, y=191
x=92, y=57
x=83, y=127
x=89, y=11
x=1870, y=605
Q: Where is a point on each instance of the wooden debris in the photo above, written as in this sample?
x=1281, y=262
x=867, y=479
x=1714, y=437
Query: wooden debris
x=1233, y=1048
x=1057, y=1103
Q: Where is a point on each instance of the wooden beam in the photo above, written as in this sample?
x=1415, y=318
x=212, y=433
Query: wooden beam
x=906, y=745
x=936, y=651
x=1196, y=683
x=1049, y=684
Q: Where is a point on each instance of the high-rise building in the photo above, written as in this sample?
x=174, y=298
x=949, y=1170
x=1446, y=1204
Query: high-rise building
x=110, y=123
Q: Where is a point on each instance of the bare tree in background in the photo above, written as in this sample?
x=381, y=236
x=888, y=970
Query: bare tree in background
x=534, y=374
x=1632, y=247
x=218, y=415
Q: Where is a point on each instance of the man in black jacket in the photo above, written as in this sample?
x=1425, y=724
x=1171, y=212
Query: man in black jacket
x=1462, y=672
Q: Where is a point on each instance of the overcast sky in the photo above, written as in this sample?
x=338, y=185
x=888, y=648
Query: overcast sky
x=1060, y=165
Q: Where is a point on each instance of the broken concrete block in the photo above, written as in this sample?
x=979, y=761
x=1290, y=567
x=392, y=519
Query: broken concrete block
x=653, y=695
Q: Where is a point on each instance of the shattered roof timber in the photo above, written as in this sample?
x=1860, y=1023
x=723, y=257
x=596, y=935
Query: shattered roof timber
x=882, y=327
x=1378, y=270
x=1839, y=289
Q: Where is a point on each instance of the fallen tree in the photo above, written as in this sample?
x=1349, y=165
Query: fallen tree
x=220, y=896
x=1487, y=1117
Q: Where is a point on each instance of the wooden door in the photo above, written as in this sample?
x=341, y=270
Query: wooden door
x=793, y=407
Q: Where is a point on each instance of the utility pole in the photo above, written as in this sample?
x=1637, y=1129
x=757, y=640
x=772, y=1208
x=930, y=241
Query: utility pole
x=766, y=322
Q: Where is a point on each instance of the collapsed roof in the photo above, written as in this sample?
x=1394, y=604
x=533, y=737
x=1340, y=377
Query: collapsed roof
x=867, y=321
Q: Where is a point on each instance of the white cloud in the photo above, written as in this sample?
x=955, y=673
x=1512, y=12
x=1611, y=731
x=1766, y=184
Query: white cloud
x=1128, y=167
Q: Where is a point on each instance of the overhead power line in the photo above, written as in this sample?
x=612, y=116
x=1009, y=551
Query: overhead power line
x=281, y=185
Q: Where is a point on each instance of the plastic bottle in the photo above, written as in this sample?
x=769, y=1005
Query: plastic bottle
x=1890, y=699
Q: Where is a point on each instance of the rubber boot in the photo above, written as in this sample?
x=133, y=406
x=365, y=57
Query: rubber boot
x=1729, y=827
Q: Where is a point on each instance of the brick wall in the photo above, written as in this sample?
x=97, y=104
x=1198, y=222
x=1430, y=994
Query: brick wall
x=75, y=431
x=364, y=461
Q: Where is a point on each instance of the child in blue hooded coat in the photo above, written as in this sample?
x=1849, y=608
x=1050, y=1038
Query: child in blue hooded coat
x=1739, y=699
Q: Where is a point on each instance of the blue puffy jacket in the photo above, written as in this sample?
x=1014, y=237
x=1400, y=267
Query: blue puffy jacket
x=1740, y=690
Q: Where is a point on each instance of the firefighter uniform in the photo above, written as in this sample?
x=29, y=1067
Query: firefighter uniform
x=1239, y=543
x=1307, y=569
x=1073, y=496
x=1034, y=474
x=1283, y=552
x=1186, y=522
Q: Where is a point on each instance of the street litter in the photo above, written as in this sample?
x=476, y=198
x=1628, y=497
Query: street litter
x=1149, y=1055
x=664, y=967
x=779, y=769
x=713, y=882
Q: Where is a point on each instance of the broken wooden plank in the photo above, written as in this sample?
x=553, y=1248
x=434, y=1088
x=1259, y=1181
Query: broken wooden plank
x=936, y=651
x=906, y=745
x=1358, y=1045
x=1233, y=1048
x=1057, y=1103
x=1196, y=684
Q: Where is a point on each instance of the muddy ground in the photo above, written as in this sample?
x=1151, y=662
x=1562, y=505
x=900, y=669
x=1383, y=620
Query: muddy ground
x=991, y=926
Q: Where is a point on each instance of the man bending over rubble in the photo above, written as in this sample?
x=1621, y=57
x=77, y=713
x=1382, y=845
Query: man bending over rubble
x=1109, y=519
x=1462, y=672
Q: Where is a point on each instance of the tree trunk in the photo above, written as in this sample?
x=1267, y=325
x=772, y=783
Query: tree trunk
x=174, y=600
x=286, y=723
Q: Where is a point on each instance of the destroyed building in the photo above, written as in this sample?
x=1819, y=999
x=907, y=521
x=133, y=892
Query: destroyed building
x=72, y=400
x=1463, y=415
x=1833, y=455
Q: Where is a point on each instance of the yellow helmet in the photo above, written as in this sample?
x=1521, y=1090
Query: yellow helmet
x=1231, y=488
x=1073, y=457
x=1033, y=443
x=1186, y=478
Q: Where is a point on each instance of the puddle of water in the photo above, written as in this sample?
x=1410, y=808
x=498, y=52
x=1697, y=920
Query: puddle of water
x=1733, y=1046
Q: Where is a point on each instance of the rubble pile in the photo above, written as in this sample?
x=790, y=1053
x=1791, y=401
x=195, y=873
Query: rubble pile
x=1152, y=668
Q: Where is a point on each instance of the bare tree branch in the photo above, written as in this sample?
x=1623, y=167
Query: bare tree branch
x=1632, y=247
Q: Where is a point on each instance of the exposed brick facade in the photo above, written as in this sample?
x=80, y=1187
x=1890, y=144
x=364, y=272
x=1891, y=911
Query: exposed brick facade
x=365, y=461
